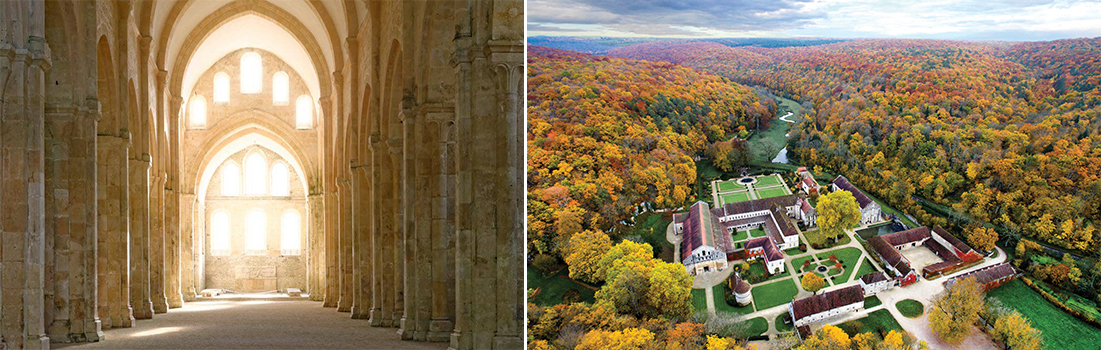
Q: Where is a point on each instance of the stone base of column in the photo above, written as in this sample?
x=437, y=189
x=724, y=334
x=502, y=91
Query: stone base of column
x=420, y=335
x=458, y=342
x=508, y=343
x=127, y=319
x=144, y=311
x=41, y=342
x=440, y=330
x=175, y=301
x=93, y=330
x=59, y=332
x=360, y=313
x=344, y=308
x=403, y=332
x=160, y=305
x=375, y=318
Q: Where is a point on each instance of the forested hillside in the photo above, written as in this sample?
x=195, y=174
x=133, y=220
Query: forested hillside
x=606, y=134
x=1003, y=133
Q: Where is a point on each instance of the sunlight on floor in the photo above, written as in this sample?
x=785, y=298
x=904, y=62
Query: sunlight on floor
x=156, y=331
x=205, y=306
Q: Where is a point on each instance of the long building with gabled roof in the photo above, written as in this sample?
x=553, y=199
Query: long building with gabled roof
x=704, y=243
x=869, y=210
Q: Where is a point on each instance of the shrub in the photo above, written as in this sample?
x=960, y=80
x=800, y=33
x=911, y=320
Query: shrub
x=571, y=296
x=544, y=262
x=803, y=247
x=814, y=245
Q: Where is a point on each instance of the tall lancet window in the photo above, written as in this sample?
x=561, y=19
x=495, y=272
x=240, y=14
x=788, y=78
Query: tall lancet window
x=290, y=240
x=221, y=88
x=219, y=234
x=231, y=180
x=256, y=230
x=280, y=89
x=252, y=73
x=196, y=117
x=303, y=112
x=256, y=175
x=280, y=179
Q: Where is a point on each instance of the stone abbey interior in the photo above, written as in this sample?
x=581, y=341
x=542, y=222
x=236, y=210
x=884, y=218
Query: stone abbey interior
x=368, y=154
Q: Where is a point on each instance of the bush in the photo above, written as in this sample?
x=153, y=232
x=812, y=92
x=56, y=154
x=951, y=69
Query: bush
x=571, y=296
x=803, y=247
x=814, y=245
x=544, y=262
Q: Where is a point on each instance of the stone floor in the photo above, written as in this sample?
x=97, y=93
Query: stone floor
x=256, y=324
x=920, y=257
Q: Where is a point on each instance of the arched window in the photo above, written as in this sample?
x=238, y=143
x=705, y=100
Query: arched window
x=219, y=233
x=256, y=229
x=256, y=175
x=280, y=179
x=290, y=239
x=231, y=179
x=197, y=116
x=303, y=112
x=221, y=88
x=252, y=73
x=280, y=89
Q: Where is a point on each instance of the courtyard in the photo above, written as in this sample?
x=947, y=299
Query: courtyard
x=920, y=257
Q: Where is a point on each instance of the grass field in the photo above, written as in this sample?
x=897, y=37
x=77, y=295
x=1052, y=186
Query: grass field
x=757, y=326
x=699, y=300
x=876, y=320
x=847, y=256
x=865, y=268
x=910, y=308
x=772, y=192
x=734, y=197
x=813, y=237
x=551, y=288
x=757, y=232
x=871, y=302
x=767, y=180
x=1061, y=330
x=780, y=326
x=730, y=185
x=774, y=294
x=798, y=262
x=740, y=235
x=775, y=133
x=758, y=268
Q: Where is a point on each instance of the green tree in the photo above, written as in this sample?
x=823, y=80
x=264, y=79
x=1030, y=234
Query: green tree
x=622, y=252
x=955, y=309
x=585, y=251
x=837, y=212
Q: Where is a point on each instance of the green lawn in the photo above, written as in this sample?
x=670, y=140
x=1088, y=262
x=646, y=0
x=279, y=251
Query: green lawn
x=699, y=300
x=757, y=326
x=847, y=256
x=910, y=308
x=780, y=326
x=865, y=268
x=813, y=237
x=772, y=192
x=876, y=320
x=767, y=180
x=776, y=133
x=740, y=235
x=551, y=288
x=735, y=197
x=730, y=185
x=1061, y=330
x=720, y=302
x=798, y=262
x=774, y=294
x=651, y=227
x=871, y=302
x=757, y=232
x=758, y=268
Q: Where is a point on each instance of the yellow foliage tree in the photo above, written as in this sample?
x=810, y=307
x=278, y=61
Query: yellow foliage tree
x=955, y=309
x=837, y=212
x=812, y=282
x=627, y=339
x=720, y=343
x=585, y=251
x=1016, y=332
x=828, y=337
x=983, y=238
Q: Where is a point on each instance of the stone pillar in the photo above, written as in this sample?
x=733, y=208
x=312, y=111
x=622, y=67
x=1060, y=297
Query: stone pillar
x=407, y=245
x=343, y=229
x=188, y=228
x=315, y=248
x=112, y=224
x=424, y=168
x=332, y=257
x=397, y=288
x=172, y=249
x=361, y=216
x=22, y=203
x=443, y=205
x=378, y=179
x=60, y=234
x=155, y=211
x=84, y=230
x=464, y=252
x=140, y=293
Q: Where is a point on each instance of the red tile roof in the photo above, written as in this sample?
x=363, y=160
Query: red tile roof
x=987, y=274
x=702, y=229
x=908, y=236
x=844, y=184
x=873, y=277
x=827, y=301
x=771, y=253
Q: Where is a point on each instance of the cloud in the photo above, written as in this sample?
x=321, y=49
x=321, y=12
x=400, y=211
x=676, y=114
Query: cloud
x=948, y=19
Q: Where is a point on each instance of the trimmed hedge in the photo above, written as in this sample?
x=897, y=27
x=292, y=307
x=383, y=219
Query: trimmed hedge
x=1055, y=300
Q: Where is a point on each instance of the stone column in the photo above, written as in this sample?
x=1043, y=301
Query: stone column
x=315, y=248
x=84, y=230
x=507, y=58
x=140, y=293
x=155, y=211
x=464, y=252
x=172, y=249
x=443, y=257
x=397, y=288
x=59, y=231
x=424, y=168
x=187, y=246
x=344, y=209
x=407, y=244
x=22, y=219
x=332, y=257
x=380, y=225
x=361, y=216
x=112, y=223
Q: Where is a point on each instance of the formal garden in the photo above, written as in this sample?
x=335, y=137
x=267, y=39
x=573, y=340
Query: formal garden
x=774, y=294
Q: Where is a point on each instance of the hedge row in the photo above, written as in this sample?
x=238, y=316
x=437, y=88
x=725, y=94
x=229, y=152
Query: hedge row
x=1055, y=300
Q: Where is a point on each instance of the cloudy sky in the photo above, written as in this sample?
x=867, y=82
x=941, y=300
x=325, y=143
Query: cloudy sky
x=939, y=19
